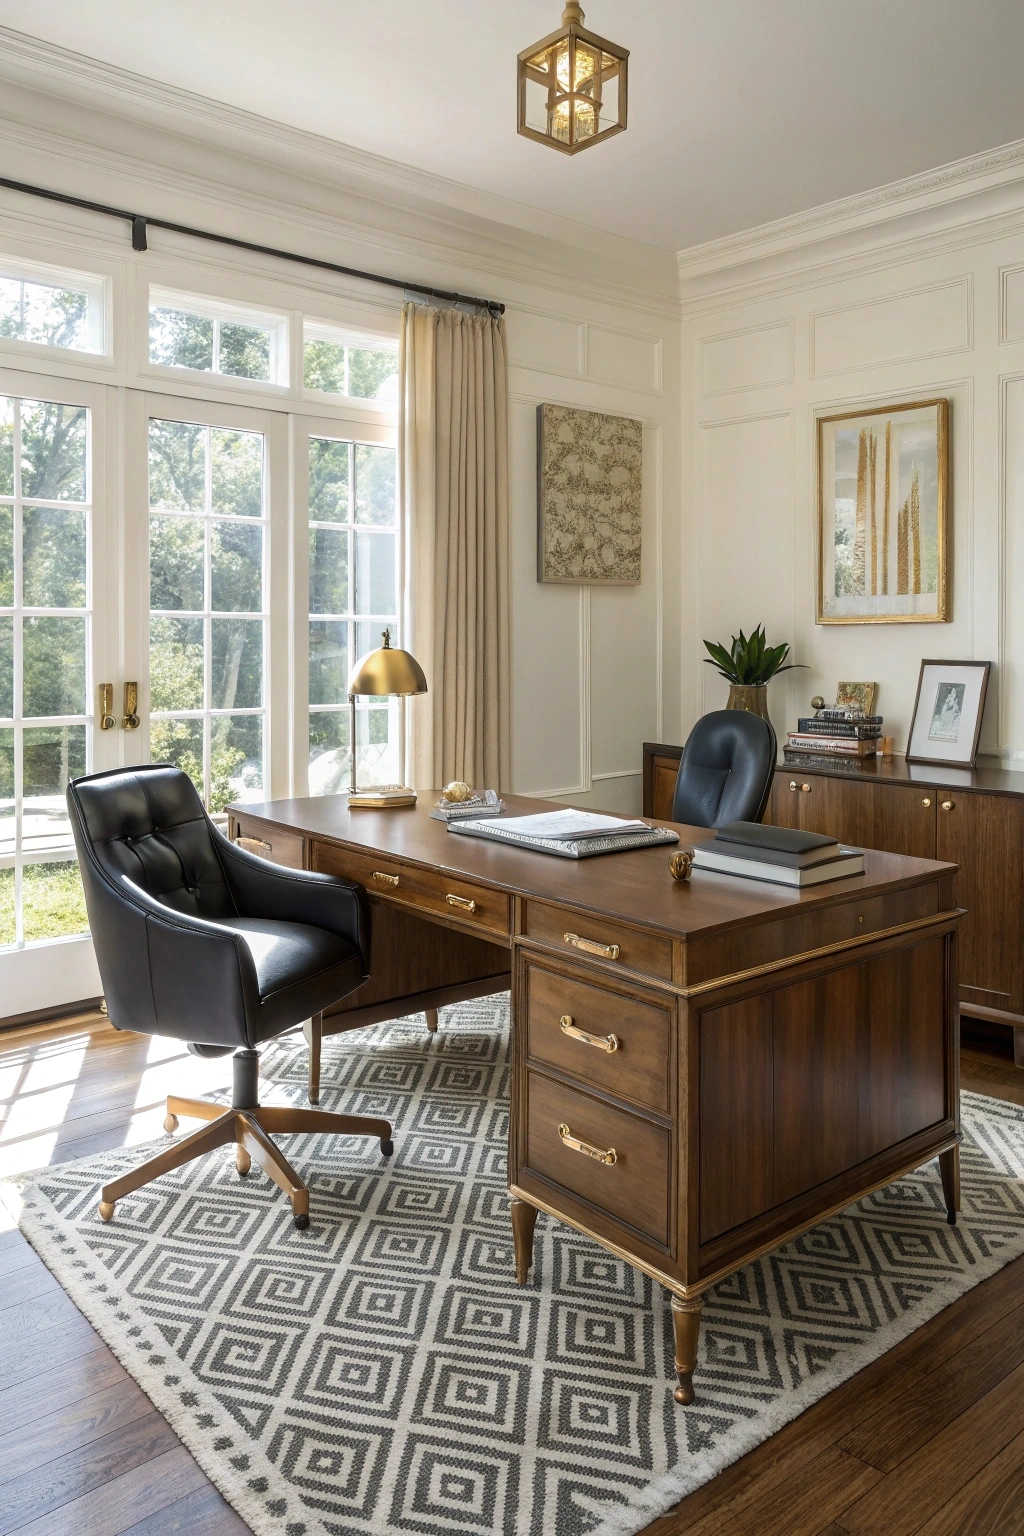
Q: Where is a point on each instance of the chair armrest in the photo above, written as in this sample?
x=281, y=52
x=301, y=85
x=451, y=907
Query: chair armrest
x=262, y=889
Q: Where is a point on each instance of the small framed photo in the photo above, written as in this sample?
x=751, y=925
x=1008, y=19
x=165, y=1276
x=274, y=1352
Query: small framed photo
x=947, y=713
x=856, y=696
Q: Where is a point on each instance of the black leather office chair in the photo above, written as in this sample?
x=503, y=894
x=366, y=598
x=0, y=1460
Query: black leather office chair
x=201, y=941
x=725, y=773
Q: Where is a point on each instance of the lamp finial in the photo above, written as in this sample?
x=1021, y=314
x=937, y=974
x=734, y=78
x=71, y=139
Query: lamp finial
x=386, y=637
x=572, y=13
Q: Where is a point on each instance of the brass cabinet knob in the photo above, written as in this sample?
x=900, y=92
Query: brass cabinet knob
x=947, y=805
x=926, y=801
x=793, y=785
x=806, y=788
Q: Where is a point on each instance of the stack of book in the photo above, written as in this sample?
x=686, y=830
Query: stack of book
x=835, y=733
x=777, y=854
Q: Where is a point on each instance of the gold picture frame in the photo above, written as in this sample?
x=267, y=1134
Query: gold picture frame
x=883, y=515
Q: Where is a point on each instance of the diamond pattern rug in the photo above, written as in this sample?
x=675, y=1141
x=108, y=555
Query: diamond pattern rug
x=382, y=1373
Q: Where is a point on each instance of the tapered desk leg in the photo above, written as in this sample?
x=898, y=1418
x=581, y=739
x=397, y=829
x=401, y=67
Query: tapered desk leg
x=313, y=1029
x=524, y=1219
x=949, y=1168
x=432, y=1020
x=686, y=1327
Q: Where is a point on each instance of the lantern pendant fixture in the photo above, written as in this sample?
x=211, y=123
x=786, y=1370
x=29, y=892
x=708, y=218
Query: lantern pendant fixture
x=572, y=87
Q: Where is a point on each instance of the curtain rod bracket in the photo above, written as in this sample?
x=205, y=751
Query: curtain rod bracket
x=139, y=241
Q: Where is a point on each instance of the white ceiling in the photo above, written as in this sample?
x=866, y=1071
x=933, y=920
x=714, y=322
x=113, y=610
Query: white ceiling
x=741, y=111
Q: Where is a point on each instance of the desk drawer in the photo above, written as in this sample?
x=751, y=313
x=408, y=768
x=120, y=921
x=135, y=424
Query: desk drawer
x=473, y=906
x=576, y=934
x=628, y=1054
x=633, y=1188
x=270, y=843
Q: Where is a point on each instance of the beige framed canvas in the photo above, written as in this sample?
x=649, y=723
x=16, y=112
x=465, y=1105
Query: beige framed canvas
x=883, y=515
x=589, y=492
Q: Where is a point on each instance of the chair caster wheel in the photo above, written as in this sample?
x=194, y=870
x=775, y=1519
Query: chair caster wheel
x=387, y=1147
x=106, y=1209
x=170, y=1123
x=302, y=1222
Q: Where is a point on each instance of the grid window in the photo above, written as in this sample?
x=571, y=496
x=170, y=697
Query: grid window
x=209, y=339
x=207, y=572
x=45, y=620
x=344, y=363
x=55, y=313
x=353, y=596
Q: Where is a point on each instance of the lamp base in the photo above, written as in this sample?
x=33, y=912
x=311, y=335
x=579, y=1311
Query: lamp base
x=384, y=797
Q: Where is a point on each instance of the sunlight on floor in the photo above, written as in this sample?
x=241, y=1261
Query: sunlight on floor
x=37, y=1084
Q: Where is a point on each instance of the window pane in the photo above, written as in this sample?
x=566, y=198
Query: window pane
x=236, y=473
x=53, y=666
x=7, y=666
x=323, y=366
x=373, y=375
x=370, y=636
x=236, y=680
x=177, y=466
x=328, y=571
x=176, y=563
x=236, y=759
x=6, y=446
x=236, y=568
x=176, y=664
x=6, y=556
x=375, y=485
x=7, y=794
x=328, y=480
x=53, y=558
x=45, y=314
x=377, y=745
x=180, y=743
x=328, y=753
x=180, y=340
x=53, y=451
x=375, y=572
x=51, y=756
x=244, y=351
x=7, y=928
x=328, y=663
x=53, y=902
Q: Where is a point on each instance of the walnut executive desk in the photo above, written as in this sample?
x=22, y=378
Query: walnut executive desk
x=700, y=1070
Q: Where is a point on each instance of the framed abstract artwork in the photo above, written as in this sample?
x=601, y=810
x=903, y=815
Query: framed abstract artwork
x=947, y=713
x=589, y=495
x=883, y=514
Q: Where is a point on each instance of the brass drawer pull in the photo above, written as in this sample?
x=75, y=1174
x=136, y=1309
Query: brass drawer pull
x=607, y=1043
x=384, y=879
x=255, y=845
x=461, y=901
x=599, y=1154
x=592, y=947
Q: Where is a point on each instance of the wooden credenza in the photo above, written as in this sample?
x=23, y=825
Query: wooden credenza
x=972, y=818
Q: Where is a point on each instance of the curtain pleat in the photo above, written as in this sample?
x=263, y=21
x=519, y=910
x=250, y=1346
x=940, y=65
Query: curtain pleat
x=454, y=435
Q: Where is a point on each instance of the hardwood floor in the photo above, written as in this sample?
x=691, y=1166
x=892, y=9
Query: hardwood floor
x=927, y=1441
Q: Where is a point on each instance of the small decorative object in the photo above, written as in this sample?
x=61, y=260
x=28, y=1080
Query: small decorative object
x=680, y=864
x=947, y=713
x=388, y=670
x=572, y=87
x=589, y=483
x=486, y=802
x=883, y=506
x=817, y=703
x=748, y=666
x=856, y=698
x=456, y=791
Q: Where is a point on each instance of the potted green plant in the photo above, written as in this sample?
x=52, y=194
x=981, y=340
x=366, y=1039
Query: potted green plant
x=748, y=666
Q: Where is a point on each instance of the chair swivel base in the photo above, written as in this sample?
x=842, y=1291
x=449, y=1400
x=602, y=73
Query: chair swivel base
x=250, y=1130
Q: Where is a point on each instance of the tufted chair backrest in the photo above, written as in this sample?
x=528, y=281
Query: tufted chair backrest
x=726, y=770
x=149, y=824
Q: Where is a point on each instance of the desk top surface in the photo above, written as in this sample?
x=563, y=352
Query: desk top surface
x=635, y=887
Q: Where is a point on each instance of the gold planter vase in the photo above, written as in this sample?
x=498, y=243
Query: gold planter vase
x=752, y=697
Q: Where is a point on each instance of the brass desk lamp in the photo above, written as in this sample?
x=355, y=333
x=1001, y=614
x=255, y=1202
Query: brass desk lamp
x=379, y=674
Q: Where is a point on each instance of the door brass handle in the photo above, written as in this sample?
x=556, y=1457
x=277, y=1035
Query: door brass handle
x=463, y=902
x=592, y=947
x=793, y=786
x=607, y=1043
x=926, y=801
x=947, y=805
x=131, y=721
x=107, y=721
x=608, y=1155
x=384, y=879
x=805, y=789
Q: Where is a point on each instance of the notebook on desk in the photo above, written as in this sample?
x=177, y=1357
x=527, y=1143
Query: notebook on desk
x=568, y=834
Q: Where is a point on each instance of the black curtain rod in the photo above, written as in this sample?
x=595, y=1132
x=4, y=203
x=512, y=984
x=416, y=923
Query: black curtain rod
x=140, y=222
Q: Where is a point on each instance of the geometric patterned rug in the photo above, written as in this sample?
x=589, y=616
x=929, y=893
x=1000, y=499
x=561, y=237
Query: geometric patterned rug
x=381, y=1372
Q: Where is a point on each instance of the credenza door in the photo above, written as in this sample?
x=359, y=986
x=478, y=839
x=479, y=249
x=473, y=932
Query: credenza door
x=897, y=818
x=984, y=834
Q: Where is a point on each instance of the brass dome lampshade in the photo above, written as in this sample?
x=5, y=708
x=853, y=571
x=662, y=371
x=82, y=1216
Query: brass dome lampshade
x=572, y=87
x=380, y=674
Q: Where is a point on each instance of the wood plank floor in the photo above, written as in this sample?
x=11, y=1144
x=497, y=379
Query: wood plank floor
x=927, y=1440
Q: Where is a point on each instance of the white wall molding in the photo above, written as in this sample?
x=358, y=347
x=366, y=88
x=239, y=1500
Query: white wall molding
x=962, y=284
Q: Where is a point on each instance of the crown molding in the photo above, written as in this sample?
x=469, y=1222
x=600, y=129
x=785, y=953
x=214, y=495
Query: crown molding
x=88, y=110
x=954, y=202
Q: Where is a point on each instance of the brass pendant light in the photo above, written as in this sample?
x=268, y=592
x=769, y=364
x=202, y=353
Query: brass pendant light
x=572, y=87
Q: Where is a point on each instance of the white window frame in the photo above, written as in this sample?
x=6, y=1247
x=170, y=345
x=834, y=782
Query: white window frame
x=209, y=307
x=98, y=290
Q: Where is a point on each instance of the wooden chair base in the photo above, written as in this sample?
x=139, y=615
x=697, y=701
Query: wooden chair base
x=251, y=1131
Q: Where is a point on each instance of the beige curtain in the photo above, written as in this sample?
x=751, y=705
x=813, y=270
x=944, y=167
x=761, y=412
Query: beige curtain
x=453, y=429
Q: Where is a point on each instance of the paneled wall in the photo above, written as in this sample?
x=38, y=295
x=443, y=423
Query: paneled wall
x=763, y=356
